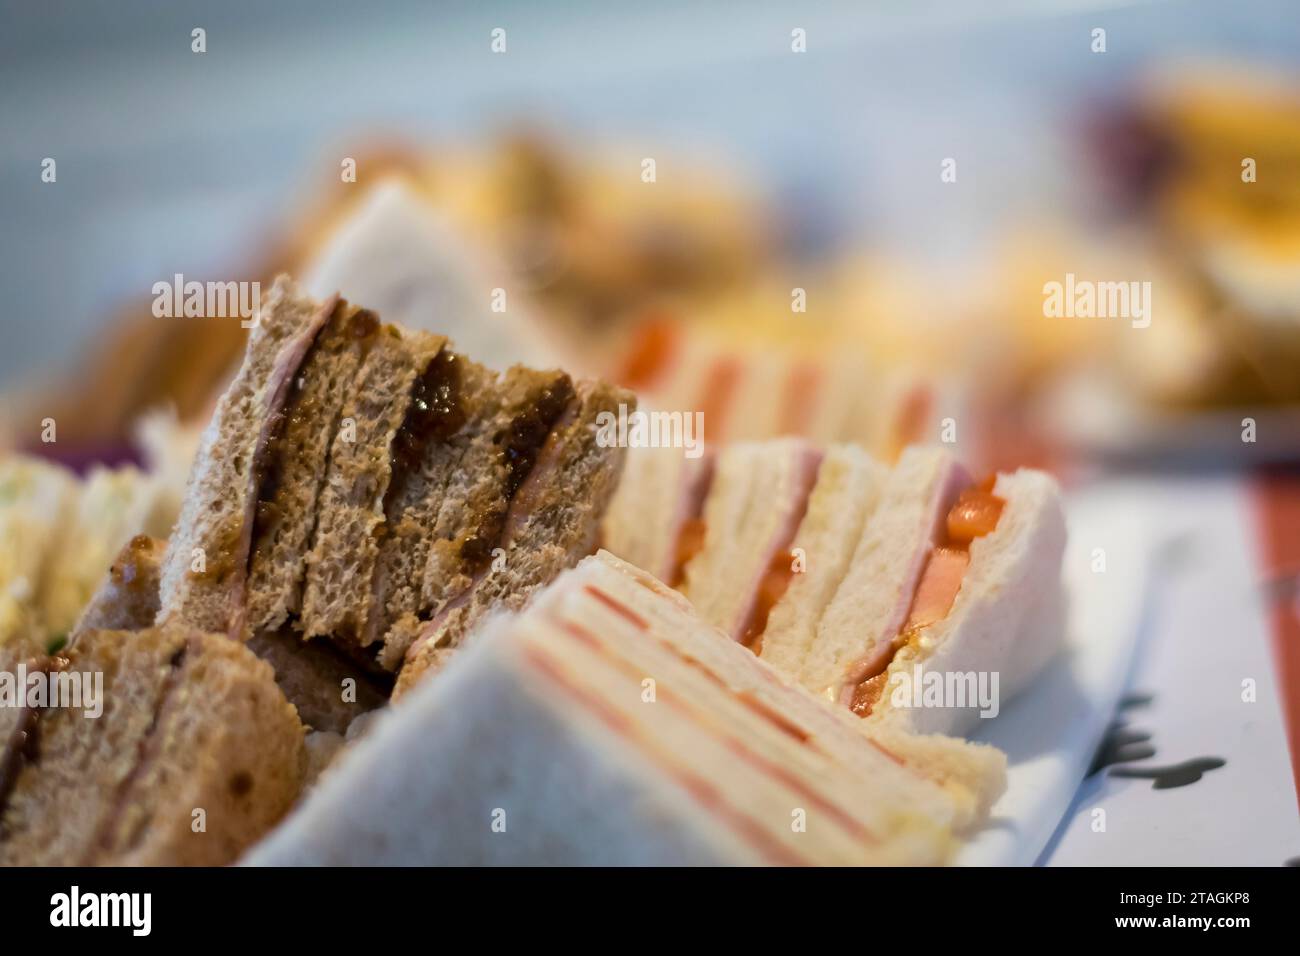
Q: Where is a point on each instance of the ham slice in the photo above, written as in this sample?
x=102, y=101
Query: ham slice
x=777, y=551
x=938, y=588
x=288, y=362
x=687, y=532
x=946, y=490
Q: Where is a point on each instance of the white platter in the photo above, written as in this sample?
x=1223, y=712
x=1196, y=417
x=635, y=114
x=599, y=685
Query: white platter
x=1051, y=732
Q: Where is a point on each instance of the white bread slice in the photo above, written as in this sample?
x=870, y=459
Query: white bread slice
x=552, y=752
x=973, y=776
x=660, y=491
x=846, y=406
x=870, y=605
x=113, y=506
x=37, y=503
x=759, y=494
x=760, y=397
x=1008, y=616
x=849, y=483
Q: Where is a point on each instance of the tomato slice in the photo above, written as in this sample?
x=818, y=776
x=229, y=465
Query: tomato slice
x=975, y=514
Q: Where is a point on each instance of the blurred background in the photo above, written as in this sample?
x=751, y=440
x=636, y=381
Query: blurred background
x=776, y=170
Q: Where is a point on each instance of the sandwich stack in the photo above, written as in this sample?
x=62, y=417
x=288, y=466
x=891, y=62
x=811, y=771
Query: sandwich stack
x=368, y=489
x=155, y=747
x=847, y=575
x=608, y=724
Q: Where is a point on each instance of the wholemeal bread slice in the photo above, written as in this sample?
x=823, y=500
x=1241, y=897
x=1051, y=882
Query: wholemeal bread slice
x=330, y=684
x=205, y=568
x=553, y=520
x=296, y=466
x=460, y=526
x=195, y=755
x=656, y=508
x=127, y=599
x=472, y=396
x=339, y=569
x=356, y=484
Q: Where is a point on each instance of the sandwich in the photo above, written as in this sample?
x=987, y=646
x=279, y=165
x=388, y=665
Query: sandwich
x=856, y=579
x=557, y=496
x=749, y=389
x=58, y=534
x=951, y=576
x=606, y=723
x=156, y=747
x=35, y=500
x=112, y=506
x=368, y=490
x=755, y=506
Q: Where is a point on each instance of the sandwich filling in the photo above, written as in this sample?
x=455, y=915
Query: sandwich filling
x=435, y=414
x=974, y=514
x=688, y=524
x=282, y=386
x=779, y=567
x=529, y=456
x=530, y=448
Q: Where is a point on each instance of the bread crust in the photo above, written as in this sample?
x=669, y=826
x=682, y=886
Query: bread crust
x=553, y=522
x=205, y=567
x=196, y=755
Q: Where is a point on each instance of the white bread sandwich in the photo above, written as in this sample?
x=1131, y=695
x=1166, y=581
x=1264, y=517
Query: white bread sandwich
x=856, y=579
x=58, y=535
x=950, y=577
x=369, y=490
x=112, y=506
x=748, y=391
x=607, y=724
x=37, y=499
x=156, y=747
x=755, y=506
